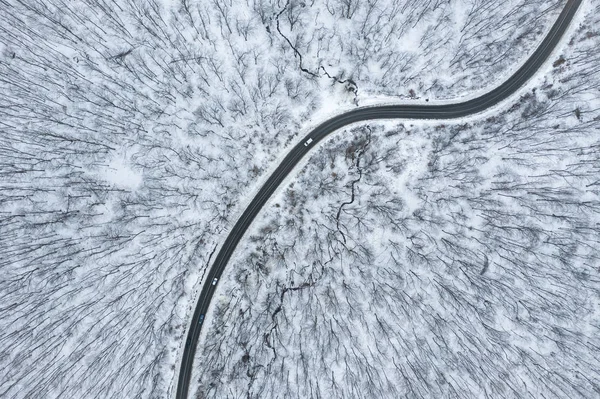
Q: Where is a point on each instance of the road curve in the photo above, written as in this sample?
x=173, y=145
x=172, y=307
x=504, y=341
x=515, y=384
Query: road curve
x=446, y=111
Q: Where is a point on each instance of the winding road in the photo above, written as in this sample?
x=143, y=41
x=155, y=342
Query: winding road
x=446, y=111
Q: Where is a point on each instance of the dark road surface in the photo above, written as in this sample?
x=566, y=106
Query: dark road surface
x=448, y=111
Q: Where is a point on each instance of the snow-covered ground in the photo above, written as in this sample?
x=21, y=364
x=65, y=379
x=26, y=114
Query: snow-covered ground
x=132, y=133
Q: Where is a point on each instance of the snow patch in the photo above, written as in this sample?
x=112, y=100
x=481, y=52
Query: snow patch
x=120, y=173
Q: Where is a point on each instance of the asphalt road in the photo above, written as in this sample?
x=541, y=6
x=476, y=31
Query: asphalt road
x=447, y=111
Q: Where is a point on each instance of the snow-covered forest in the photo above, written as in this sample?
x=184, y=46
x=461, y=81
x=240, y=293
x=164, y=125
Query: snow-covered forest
x=422, y=260
x=133, y=132
x=419, y=49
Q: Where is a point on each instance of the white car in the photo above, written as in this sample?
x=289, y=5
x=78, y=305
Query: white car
x=215, y=281
x=308, y=142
